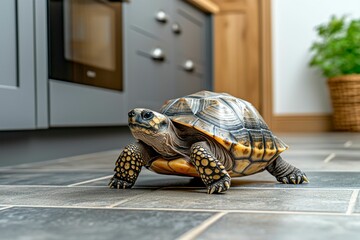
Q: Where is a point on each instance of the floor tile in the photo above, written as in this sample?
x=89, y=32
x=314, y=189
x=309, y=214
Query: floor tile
x=328, y=180
x=66, y=196
x=57, y=223
x=247, y=199
x=154, y=180
x=306, y=160
x=357, y=205
x=283, y=226
x=47, y=178
x=94, y=161
x=350, y=156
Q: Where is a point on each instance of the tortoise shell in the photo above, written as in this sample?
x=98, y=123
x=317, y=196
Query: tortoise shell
x=234, y=123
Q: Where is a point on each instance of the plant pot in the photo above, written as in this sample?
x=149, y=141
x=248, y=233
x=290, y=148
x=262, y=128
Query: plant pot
x=345, y=97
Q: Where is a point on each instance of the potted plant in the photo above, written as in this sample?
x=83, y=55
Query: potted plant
x=337, y=54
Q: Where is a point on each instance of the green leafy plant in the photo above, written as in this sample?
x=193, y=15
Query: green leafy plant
x=337, y=51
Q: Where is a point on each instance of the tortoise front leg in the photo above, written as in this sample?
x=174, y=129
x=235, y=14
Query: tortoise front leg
x=210, y=169
x=129, y=164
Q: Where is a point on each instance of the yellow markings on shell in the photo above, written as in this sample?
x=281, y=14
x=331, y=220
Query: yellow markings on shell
x=269, y=153
x=240, y=165
x=225, y=144
x=241, y=151
x=258, y=152
x=174, y=167
x=255, y=167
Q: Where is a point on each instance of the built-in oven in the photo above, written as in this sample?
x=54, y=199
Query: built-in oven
x=85, y=42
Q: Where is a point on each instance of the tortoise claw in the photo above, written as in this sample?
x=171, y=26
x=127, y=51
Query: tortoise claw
x=118, y=183
x=284, y=180
x=295, y=177
x=220, y=185
x=306, y=180
x=211, y=190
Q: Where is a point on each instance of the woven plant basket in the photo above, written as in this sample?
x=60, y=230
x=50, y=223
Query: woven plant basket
x=345, y=96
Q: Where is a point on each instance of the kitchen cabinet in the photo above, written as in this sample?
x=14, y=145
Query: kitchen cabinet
x=192, y=50
x=17, y=69
x=167, y=51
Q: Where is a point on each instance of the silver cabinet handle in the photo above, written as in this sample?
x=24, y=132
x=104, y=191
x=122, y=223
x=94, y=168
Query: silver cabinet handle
x=176, y=28
x=158, y=54
x=161, y=16
x=189, y=66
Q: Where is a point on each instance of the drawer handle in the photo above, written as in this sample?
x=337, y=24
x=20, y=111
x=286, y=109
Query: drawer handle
x=176, y=28
x=158, y=54
x=161, y=16
x=189, y=66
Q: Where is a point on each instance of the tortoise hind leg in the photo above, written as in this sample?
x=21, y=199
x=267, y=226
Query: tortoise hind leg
x=286, y=173
x=210, y=169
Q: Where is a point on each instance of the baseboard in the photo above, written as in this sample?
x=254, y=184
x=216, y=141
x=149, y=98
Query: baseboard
x=301, y=123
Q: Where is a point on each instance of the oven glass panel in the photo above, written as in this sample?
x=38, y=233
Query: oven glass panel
x=85, y=42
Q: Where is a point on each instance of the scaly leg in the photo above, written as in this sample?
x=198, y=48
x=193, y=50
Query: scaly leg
x=129, y=164
x=286, y=173
x=210, y=169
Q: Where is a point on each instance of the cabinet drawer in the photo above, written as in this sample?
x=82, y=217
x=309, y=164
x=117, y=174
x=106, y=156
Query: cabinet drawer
x=149, y=83
x=188, y=82
x=151, y=18
x=190, y=42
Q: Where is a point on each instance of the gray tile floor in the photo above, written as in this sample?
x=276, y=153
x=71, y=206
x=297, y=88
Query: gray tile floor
x=68, y=199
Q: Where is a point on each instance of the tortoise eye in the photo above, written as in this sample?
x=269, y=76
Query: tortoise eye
x=148, y=115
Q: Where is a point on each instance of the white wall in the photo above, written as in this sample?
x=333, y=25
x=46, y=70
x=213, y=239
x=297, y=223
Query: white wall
x=299, y=89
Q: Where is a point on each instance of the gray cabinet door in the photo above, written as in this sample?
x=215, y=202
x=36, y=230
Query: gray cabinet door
x=150, y=80
x=192, y=49
x=17, y=77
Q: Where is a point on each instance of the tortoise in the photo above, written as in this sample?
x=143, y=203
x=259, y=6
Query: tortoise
x=214, y=136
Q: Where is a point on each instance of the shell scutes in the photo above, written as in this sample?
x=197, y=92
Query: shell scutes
x=233, y=123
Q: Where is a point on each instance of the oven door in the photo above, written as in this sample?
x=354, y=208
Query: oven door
x=85, y=42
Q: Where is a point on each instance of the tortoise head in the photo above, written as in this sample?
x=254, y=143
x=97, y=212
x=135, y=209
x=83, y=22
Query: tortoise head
x=147, y=123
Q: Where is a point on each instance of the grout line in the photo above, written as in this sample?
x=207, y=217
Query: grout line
x=7, y=207
x=237, y=211
x=329, y=158
x=89, y=181
x=352, y=202
x=233, y=188
x=348, y=144
x=185, y=210
x=193, y=233
x=295, y=188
